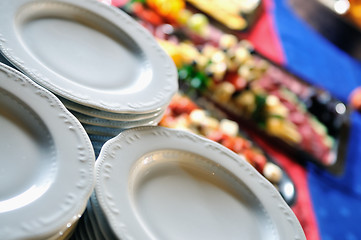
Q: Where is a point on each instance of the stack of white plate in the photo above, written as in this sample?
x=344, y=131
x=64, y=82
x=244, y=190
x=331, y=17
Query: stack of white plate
x=102, y=126
x=47, y=162
x=105, y=67
x=158, y=183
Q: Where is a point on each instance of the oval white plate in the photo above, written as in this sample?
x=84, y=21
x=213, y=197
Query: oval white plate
x=152, y=121
x=87, y=52
x=102, y=131
x=91, y=224
x=46, y=164
x=109, y=115
x=158, y=183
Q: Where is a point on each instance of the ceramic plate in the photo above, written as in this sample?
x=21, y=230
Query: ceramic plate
x=47, y=161
x=95, y=222
x=91, y=223
x=158, y=183
x=116, y=124
x=97, y=140
x=103, y=226
x=109, y=115
x=102, y=131
x=113, y=117
x=87, y=52
x=87, y=226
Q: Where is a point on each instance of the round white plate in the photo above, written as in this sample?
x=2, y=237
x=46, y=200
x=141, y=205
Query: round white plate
x=152, y=121
x=98, y=139
x=102, y=224
x=92, y=224
x=158, y=183
x=109, y=115
x=87, y=226
x=102, y=131
x=87, y=52
x=46, y=164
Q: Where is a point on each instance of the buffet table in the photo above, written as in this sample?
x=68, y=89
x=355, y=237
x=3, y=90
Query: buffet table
x=327, y=206
x=334, y=201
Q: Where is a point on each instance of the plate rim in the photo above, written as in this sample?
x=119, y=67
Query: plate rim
x=100, y=122
x=72, y=201
x=253, y=180
x=164, y=70
x=109, y=115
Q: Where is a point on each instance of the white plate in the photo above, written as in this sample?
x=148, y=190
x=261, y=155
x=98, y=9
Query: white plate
x=114, y=116
x=158, y=183
x=109, y=115
x=152, y=121
x=92, y=224
x=102, y=224
x=87, y=226
x=87, y=52
x=102, y=131
x=98, y=140
x=46, y=164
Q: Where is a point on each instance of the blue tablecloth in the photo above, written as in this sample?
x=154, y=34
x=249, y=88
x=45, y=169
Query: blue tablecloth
x=336, y=200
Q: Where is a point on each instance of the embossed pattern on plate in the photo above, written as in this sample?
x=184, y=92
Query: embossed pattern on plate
x=154, y=182
x=109, y=115
x=47, y=163
x=152, y=121
x=87, y=52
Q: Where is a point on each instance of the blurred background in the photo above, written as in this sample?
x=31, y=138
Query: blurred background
x=311, y=48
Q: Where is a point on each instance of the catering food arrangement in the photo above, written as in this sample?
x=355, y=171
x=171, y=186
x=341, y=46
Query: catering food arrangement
x=182, y=113
x=213, y=63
